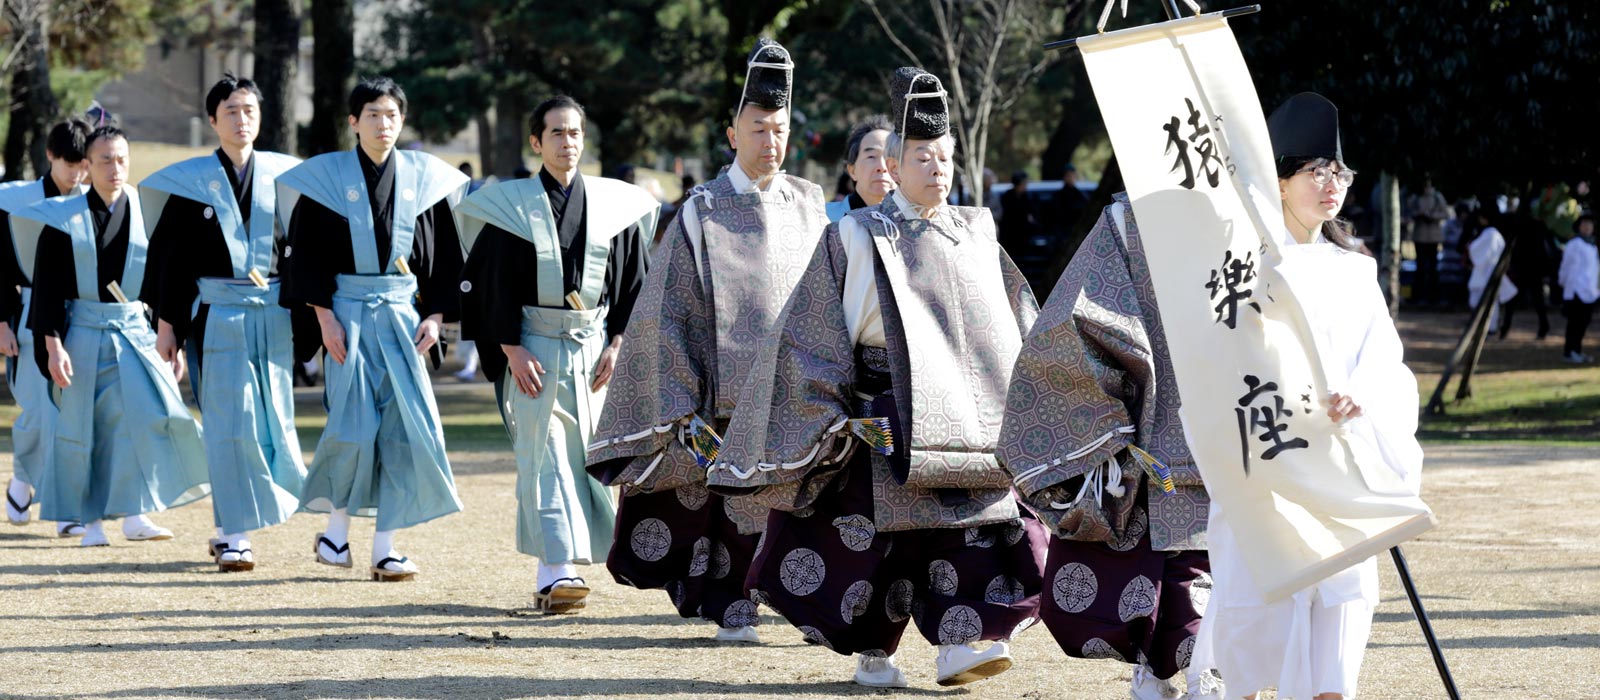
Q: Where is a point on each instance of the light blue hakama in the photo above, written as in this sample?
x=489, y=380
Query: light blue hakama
x=242, y=374
x=563, y=514
x=124, y=442
x=382, y=453
x=247, y=401
x=32, y=435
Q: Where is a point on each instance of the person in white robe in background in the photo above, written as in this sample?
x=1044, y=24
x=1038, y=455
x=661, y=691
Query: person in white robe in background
x=1484, y=252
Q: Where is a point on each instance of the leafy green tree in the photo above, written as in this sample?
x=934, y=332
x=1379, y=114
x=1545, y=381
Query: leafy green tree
x=1483, y=96
x=90, y=41
x=1478, y=94
x=642, y=69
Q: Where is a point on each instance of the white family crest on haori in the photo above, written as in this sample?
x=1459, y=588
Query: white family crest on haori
x=1311, y=497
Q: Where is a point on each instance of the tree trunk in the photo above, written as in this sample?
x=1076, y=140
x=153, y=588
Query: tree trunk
x=483, y=52
x=486, y=154
x=277, y=46
x=511, y=110
x=1389, y=224
x=333, y=75
x=33, y=104
x=1063, y=143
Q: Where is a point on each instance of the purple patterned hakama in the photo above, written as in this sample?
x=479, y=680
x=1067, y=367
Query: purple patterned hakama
x=853, y=589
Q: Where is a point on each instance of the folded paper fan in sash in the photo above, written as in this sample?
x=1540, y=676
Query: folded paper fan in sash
x=1306, y=497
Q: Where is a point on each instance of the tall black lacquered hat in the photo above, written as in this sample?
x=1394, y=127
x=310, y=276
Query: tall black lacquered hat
x=918, y=103
x=769, y=76
x=1305, y=126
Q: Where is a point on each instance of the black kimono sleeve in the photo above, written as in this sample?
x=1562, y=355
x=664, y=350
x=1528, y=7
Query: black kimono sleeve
x=10, y=276
x=500, y=280
x=317, y=251
x=189, y=246
x=436, y=260
x=625, y=271
x=56, y=284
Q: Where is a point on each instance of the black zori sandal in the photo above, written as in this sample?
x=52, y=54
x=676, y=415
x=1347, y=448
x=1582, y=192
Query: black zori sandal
x=20, y=509
x=382, y=572
x=340, y=549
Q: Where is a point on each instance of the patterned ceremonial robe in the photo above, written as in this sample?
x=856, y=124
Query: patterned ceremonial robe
x=718, y=281
x=124, y=443
x=917, y=320
x=1093, y=378
x=213, y=230
x=31, y=432
x=563, y=514
x=383, y=452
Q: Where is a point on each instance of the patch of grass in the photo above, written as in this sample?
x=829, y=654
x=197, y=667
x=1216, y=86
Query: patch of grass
x=471, y=421
x=1544, y=405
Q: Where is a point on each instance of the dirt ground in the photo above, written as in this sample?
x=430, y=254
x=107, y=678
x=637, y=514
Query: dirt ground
x=1510, y=578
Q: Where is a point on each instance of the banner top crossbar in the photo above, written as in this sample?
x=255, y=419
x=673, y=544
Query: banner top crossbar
x=1066, y=44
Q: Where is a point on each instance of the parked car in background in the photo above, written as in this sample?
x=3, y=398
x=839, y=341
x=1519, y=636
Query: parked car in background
x=1034, y=252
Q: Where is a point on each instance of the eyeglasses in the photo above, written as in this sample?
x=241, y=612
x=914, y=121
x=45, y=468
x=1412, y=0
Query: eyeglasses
x=1323, y=174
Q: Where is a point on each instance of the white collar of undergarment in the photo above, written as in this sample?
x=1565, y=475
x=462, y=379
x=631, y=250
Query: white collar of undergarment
x=743, y=183
x=914, y=211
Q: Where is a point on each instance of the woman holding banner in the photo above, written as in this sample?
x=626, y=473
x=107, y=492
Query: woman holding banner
x=1310, y=645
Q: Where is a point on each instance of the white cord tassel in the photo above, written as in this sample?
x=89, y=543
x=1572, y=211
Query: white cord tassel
x=1075, y=454
x=1105, y=15
x=1103, y=479
x=810, y=457
x=893, y=228
x=647, y=432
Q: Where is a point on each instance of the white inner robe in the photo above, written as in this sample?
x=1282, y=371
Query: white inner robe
x=1484, y=252
x=1313, y=642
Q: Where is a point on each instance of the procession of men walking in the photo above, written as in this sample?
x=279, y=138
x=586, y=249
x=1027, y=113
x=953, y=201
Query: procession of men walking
x=856, y=416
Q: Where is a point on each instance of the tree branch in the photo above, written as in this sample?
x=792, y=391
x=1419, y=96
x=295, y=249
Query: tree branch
x=892, y=36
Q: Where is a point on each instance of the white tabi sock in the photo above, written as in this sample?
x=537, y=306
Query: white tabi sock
x=94, y=533
x=132, y=524
x=338, y=527
x=550, y=573
x=19, y=490
x=383, y=546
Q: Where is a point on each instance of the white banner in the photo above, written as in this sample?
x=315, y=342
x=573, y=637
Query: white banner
x=1306, y=498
